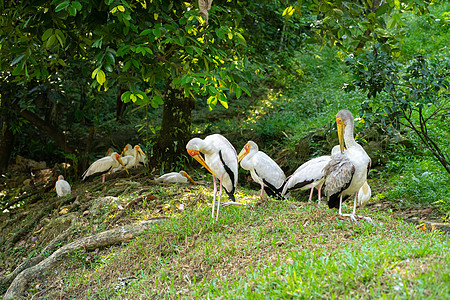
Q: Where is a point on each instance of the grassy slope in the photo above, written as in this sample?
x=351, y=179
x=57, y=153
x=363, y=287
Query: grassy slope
x=270, y=249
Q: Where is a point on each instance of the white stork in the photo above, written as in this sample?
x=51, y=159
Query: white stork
x=220, y=160
x=62, y=187
x=364, y=194
x=104, y=165
x=175, y=177
x=131, y=160
x=309, y=175
x=347, y=171
x=263, y=170
x=128, y=150
x=109, y=152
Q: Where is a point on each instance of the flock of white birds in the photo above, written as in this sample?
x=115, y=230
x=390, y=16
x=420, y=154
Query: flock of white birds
x=344, y=172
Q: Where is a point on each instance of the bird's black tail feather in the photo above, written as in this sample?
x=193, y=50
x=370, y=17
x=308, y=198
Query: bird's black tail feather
x=333, y=200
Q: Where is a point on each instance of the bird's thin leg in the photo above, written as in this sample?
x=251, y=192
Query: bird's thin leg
x=103, y=178
x=214, y=197
x=310, y=194
x=262, y=191
x=220, y=195
x=319, y=196
x=354, y=203
x=340, y=205
x=352, y=216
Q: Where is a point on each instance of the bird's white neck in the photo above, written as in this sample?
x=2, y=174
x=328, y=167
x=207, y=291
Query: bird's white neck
x=348, y=136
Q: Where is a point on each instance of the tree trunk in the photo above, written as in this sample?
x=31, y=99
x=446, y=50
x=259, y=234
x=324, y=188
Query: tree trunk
x=175, y=127
x=42, y=125
x=120, y=105
x=7, y=138
x=6, y=146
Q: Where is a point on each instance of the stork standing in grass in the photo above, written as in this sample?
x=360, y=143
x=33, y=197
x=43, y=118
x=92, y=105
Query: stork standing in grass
x=131, y=160
x=220, y=160
x=263, y=170
x=347, y=171
x=103, y=166
x=309, y=175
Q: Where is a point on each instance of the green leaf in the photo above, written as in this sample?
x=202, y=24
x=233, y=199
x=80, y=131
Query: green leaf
x=18, y=69
x=241, y=38
x=157, y=32
x=126, y=65
x=220, y=33
x=238, y=92
x=77, y=5
x=126, y=97
x=47, y=34
x=94, y=73
x=110, y=58
x=60, y=36
x=51, y=40
x=146, y=32
x=62, y=6
x=101, y=77
x=19, y=58
x=72, y=11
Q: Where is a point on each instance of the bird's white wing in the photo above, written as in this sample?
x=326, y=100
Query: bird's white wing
x=313, y=163
x=62, y=188
x=166, y=176
x=227, y=157
x=268, y=170
x=100, y=166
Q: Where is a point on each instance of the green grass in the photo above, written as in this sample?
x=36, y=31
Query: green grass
x=269, y=250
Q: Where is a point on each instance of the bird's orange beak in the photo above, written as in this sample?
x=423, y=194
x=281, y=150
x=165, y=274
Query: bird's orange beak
x=244, y=152
x=124, y=149
x=196, y=155
x=188, y=177
x=340, y=130
x=121, y=162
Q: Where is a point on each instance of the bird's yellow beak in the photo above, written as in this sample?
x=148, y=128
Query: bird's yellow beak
x=196, y=155
x=340, y=130
x=140, y=152
x=124, y=149
x=244, y=152
x=121, y=162
x=188, y=177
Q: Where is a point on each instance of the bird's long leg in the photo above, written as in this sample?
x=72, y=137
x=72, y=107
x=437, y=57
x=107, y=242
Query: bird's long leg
x=352, y=216
x=103, y=178
x=354, y=203
x=262, y=191
x=220, y=195
x=319, y=196
x=214, y=197
x=310, y=194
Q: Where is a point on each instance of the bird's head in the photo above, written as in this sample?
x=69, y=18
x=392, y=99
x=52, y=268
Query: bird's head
x=344, y=118
x=117, y=157
x=196, y=155
x=187, y=176
x=60, y=177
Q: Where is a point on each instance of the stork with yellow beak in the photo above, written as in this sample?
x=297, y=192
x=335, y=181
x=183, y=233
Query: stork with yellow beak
x=131, y=151
x=175, y=177
x=103, y=166
x=347, y=170
x=220, y=160
x=263, y=170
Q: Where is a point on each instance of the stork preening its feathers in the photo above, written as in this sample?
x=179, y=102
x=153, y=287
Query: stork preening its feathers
x=128, y=150
x=263, y=170
x=103, y=166
x=220, y=160
x=132, y=159
x=62, y=187
x=175, y=177
x=347, y=170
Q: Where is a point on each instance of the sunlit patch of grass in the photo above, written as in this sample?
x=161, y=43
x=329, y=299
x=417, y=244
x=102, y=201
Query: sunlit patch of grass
x=268, y=249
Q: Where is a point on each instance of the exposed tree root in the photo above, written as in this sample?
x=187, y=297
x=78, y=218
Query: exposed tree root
x=6, y=280
x=106, y=238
